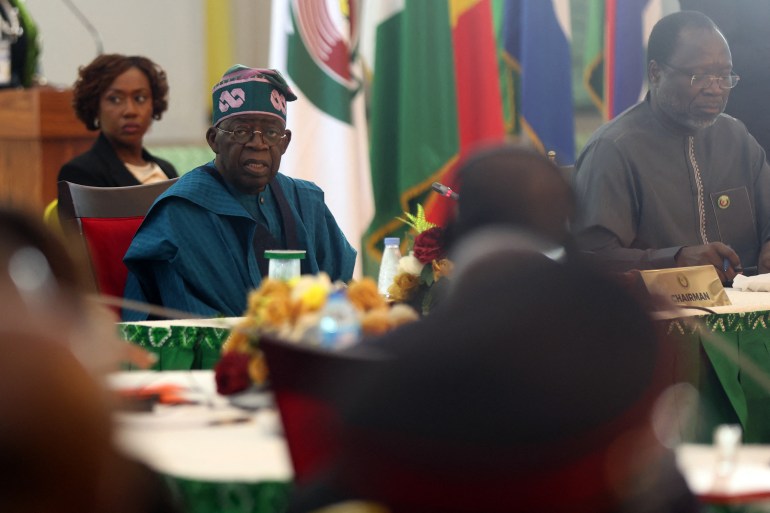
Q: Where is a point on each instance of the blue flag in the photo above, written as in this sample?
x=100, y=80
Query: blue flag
x=535, y=40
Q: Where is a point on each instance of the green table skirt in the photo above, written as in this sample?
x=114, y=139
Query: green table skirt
x=178, y=347
x=207, y=497
x=727, y=358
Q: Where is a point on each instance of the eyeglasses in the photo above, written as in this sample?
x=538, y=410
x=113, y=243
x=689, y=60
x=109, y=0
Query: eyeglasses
x=270, y=136
x=705, y=81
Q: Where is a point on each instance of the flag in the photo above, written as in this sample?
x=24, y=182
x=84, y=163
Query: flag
x=615, y=71
x=432, y=97
x=593, y=53
x=624, y=55
x=315, y=44
x=479, y=103
x=536, y=43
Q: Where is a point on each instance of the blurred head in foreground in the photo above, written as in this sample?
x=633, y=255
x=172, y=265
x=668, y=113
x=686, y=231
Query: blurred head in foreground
x=45, y=283
x=533, y=389
x=49, y=406
x=56, y=451
x=516, y=187
x=37, y=272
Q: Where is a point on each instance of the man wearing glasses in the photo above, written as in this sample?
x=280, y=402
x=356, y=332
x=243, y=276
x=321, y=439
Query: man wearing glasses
x=673, y=181
x=201, y=246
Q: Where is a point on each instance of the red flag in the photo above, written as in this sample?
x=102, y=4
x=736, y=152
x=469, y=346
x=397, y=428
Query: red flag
x=477, y=85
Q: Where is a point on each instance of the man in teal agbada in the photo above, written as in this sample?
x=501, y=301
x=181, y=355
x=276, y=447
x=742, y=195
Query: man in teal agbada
x=201, y=247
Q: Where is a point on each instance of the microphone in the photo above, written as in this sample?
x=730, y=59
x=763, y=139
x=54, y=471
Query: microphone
x=445, y=191
x=87, y=24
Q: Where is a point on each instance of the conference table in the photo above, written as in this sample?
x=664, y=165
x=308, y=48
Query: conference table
x=724, y=353
x=221, y=459
x=218, y=458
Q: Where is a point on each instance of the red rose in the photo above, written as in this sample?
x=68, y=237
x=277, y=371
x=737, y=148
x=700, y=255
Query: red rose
x=232, y=373
x=429, y=245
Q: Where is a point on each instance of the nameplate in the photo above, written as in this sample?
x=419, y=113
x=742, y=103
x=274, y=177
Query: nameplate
x=687, y=286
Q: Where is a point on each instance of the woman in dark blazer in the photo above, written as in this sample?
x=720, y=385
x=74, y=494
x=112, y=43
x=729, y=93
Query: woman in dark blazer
x=120, y=96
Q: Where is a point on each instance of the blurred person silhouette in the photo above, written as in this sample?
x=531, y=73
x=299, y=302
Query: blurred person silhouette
x=516, y=187
x=510, y=186
x=532, y=397
x=513, y=186
x=56, y=452
x=120, y=96
x=44, y=270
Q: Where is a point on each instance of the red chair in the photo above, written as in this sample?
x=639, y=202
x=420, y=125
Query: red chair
x=107, y=219
x=305, y=380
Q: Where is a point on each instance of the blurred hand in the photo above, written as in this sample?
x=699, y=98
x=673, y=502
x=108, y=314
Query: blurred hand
x=100, y=349
x=714, y=254
x=137, y=356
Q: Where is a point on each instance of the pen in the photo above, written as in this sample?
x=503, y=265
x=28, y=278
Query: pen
x=750, y=271
x=228, y=421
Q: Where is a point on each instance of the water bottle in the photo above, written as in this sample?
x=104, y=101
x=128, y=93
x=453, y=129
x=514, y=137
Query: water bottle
x=284, y=264
x=388, y=265
x=339, y=326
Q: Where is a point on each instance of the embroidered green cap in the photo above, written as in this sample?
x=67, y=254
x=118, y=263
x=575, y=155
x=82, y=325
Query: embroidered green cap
x=244, y=90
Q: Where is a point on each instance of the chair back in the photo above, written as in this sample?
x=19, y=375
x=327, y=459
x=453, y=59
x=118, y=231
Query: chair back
x=306, y=382
x=107, y=219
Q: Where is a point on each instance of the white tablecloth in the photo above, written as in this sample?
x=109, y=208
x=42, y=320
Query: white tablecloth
x=751, y=475
x=209, y=441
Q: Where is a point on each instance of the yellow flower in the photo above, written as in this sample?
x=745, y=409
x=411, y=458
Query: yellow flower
x=236, y=341
x=403, y=286
x=277, y=311
x=292, y=311
x=381, y=320
x=314, y=297
x=375, y=322
x=363, y=294
x=258, y=368
x=311, y=292
x=273, y=288
x=442, y=268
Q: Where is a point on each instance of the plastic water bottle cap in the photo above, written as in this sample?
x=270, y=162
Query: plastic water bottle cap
x=391, y=241
x=285, y=254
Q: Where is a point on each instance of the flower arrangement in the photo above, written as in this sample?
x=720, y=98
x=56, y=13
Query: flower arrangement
x=418, y=281
x=291, y=311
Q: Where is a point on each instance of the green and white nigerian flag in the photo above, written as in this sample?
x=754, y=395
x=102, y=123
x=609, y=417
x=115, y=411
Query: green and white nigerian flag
x=315, y=44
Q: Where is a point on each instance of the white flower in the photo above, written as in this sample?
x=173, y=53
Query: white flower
x=410, y=264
